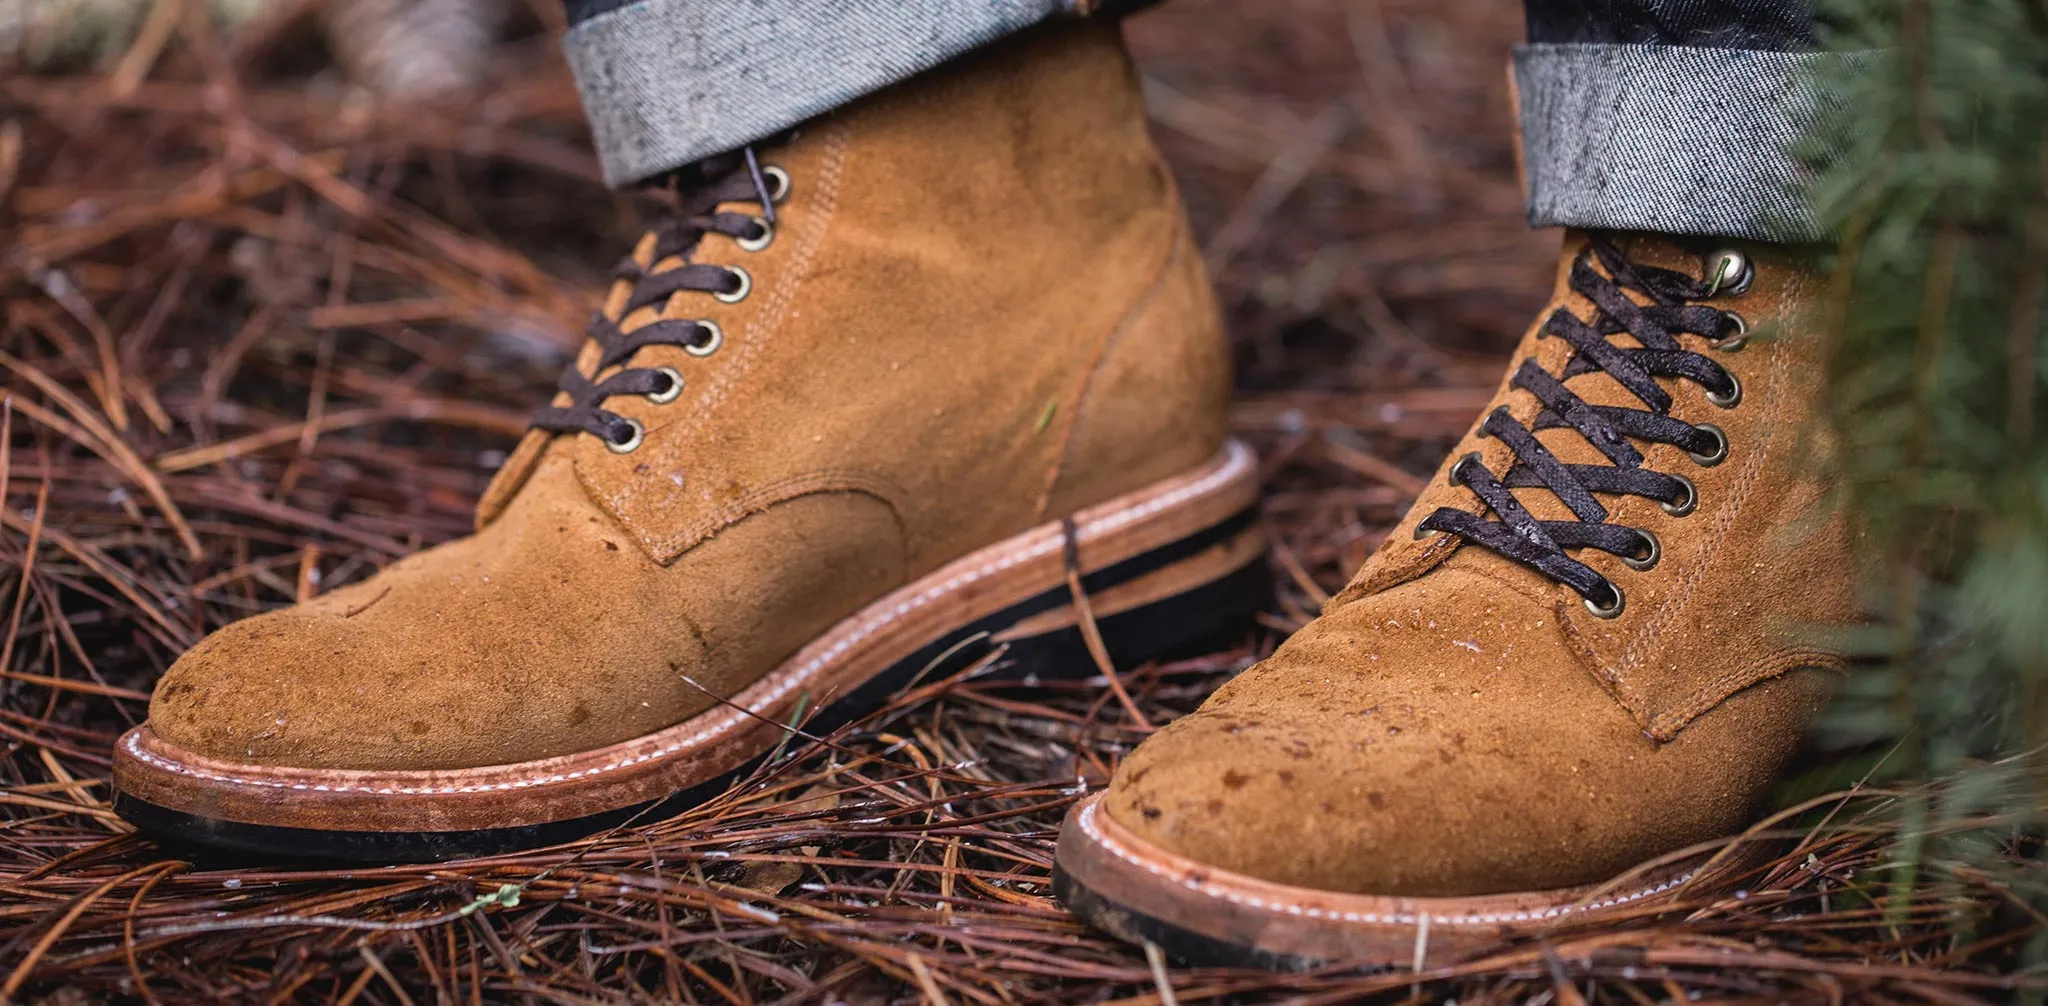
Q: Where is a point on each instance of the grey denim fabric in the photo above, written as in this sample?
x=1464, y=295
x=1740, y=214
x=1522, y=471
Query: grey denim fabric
x=1679, y=139
x=1676, y=139
x=668, y=82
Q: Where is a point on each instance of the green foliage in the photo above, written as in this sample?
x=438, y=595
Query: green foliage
x=1940, y=195
x=69, y=35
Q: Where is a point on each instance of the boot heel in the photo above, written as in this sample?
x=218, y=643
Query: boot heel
x=1200, y=594
x=1164, y=569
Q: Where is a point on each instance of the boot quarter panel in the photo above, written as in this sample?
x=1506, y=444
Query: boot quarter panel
x=1714, y=616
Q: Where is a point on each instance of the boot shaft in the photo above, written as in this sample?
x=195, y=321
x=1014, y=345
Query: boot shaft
x=983, y=276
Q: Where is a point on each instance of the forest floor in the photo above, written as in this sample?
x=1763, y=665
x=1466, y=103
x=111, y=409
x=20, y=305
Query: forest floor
x=264, y=336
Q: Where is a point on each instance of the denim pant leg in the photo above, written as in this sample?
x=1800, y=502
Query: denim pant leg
x=1677, y=116
x=668, y=82
x=1663, y=115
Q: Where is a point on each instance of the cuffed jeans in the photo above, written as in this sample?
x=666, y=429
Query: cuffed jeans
x=1676, y=116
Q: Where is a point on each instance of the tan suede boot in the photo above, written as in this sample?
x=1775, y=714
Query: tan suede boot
x=1585, y=649
x=803, y=461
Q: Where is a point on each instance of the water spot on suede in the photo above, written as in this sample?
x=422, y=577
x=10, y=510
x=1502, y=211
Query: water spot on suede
x=1286, y=777
x=578, y=715
x=1233, y=779
x=1151, y=813
x=1378, y=802
x=418, y=727
x=610, y=547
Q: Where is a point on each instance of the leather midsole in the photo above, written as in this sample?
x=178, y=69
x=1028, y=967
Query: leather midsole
x=1307, y=925
x=649, y=767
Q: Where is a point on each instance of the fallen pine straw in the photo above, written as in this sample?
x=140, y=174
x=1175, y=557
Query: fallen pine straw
x=263, y=337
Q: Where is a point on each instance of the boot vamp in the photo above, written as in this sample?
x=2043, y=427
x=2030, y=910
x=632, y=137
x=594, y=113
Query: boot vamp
x=1441, y=739
x=547, y=633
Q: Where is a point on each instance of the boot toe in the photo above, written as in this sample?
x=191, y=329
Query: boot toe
x=298, y=688
x=1311, y=801
x=415, y=669
x=1378, y=754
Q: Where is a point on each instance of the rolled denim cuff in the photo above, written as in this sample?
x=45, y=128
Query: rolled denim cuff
x=1676, y=139
x=668, y=82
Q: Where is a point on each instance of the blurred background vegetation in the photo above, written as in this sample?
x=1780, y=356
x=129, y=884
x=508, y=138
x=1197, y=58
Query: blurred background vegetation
x=1941, y=202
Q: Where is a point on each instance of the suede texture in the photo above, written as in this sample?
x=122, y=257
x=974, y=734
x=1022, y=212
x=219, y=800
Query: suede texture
x=981, y=310
x=1456, y=724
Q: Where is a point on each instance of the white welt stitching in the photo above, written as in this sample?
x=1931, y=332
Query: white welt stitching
x=1087, y=818
x=1240, y=459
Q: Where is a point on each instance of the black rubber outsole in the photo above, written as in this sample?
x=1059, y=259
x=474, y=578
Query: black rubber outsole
x=1183, y=945
x=1163, y=628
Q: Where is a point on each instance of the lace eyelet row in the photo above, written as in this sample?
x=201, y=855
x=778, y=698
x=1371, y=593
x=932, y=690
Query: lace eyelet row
x=713, y=335
x=1726, y=273
x=1729, y=273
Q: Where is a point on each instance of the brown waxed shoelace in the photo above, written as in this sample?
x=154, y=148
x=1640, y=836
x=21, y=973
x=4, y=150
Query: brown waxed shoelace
x=701, y=187
x=1542, y=544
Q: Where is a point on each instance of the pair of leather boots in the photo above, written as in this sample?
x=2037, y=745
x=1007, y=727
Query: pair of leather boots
x=870, y=401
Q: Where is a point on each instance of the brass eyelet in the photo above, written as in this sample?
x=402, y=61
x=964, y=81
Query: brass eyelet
x=1734, y=395
x=1684, y=507
x=1653, y=550
x=746, y=286
x=1728, y=273
x=778, y=182
x=763, y=240
x=630, y=444
x=1720, y=452
x=714, y=337
x=1735, y=339
x=675, y=387
x=1609, y=610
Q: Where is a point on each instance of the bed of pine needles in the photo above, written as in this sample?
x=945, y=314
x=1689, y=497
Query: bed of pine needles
x=263, y=335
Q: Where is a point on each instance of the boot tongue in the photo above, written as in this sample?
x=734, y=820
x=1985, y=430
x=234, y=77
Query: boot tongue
x=699, y=188
x=512, y=475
